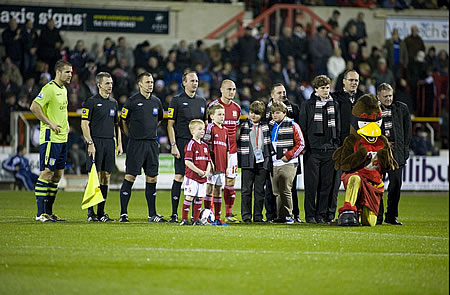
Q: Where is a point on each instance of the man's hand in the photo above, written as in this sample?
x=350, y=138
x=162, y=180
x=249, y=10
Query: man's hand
x=91, y=151
x=175, y=152
x=119, y=150
x=55, y=127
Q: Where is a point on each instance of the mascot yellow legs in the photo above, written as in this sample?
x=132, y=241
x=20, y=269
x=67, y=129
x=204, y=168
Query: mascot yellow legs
x=351, y=195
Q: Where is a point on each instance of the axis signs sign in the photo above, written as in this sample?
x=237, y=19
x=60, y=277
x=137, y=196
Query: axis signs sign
x=89, y=20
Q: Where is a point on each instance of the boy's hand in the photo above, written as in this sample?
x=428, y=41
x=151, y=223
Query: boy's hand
x=284, y=159
x=202, y=174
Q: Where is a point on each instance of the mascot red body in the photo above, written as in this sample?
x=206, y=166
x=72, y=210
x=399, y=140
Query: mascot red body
x=363, y=158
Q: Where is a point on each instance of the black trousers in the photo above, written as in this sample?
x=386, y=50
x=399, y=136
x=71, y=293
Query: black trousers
x=253, y=180
x=332, y=200
x=394, y=189
x=319, y=178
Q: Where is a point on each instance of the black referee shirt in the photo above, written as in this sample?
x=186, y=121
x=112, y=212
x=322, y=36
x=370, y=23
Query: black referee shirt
x=102, y=114
x=183, y=109
x=142, y=116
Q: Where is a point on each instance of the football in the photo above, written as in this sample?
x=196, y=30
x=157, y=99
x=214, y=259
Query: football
x=206, y=217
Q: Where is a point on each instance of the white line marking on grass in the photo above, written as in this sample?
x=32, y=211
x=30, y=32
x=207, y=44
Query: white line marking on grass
x=289, y=252
x=399, y=236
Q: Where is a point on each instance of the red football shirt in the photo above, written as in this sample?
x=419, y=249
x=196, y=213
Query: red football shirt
x=218, y=141
x=232, y=116
x=198, y=154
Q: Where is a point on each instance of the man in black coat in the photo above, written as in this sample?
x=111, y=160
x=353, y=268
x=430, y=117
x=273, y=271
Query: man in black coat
x=247, y=48
x=397, y=128
x=278, y=93
x=13, y=44
x=346, y=99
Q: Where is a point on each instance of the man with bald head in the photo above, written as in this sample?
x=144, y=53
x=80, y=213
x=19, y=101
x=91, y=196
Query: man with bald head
x=183, y=108
x=231, y=122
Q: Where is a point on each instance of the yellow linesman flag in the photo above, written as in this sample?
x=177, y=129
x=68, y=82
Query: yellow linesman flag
x=92, y=193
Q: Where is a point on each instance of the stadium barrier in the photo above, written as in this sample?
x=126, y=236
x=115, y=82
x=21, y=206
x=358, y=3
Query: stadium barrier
x=422, y=173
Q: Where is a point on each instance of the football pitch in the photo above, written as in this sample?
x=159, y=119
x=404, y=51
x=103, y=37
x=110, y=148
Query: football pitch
x=76, y=257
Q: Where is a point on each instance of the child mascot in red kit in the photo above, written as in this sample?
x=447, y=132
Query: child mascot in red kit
x=364, y=157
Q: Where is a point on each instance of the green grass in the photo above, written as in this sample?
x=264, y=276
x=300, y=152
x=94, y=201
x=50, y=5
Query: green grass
x=140, y=258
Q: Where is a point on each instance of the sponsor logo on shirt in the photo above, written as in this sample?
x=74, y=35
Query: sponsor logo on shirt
x=155, y=111
x=170, y=113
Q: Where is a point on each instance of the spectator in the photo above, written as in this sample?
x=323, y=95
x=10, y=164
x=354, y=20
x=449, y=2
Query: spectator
x=351, y=36
x=353, y=54
x=203, y=74
x=267, y=46
x=261, y=75
x=109, y=48
x=417, y=70
x=228, y=73
x=10, y=69
x=287, y=46
x=6, y=86
x=200, y=55
x=302, y=52
x=396, y=54
x=339, y=81
x=375, y=54
x=142, y=54
x=153, y=68
x=79, y=57
x=402, y=94
x=183, y=57
x=289, y=72
x=29, y=38
x=247, y=48
x=76, y=158
x=74, y=103
x=244, y=76
x=335, y=65
x=171, y=74
x=333, y=21
x=422, y=4
x=421, y=144
x=228, y=53
x=50, y=43
x=431, y=59
x=124, y=51
x=443, y=62
x=29, y=88
x=13, y=45
x=382, y=74
x=276, y=74
x=361, y=34
x=20, y=167
x=321, y=49
x=414, y=44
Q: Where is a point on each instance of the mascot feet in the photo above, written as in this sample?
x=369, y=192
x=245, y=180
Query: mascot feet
x=348, y=218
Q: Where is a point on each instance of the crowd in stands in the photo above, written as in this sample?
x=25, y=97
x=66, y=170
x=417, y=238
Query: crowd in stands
x=255, y=61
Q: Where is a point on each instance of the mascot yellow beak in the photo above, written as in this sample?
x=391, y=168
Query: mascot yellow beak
x=370, y=132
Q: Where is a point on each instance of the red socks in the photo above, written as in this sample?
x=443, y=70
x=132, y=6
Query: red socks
x=197, y=208
x=208, y=202
x=229, y=195
x=217, y=207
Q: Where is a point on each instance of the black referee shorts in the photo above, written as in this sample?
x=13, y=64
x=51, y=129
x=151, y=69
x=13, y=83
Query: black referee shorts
x=142, y=154
x=179, y=163
x=105, y=158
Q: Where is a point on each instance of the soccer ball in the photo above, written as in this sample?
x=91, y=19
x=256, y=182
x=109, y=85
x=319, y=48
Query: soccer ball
x=206, y=217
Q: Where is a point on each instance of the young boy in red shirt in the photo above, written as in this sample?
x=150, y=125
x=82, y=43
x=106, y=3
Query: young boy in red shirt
x=198, y=166
x=217, y=138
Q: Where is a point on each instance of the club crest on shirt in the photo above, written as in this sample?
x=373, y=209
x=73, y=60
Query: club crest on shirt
x=235, y=114
x=205, y=150
x=155, y=111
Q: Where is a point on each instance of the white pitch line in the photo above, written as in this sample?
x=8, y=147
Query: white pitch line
x=400, y=236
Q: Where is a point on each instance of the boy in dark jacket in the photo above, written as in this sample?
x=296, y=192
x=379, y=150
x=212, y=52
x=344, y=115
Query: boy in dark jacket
x=254, y=153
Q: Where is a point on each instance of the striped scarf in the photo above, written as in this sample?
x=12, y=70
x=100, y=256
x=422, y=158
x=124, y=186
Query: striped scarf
x=285, y=137
x=244, y=139
x=290, y=111
x=386, y=114
x=330, y=106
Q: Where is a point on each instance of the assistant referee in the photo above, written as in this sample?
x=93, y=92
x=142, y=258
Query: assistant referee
x=183, y=108
x=140, y=118
x=99, y=123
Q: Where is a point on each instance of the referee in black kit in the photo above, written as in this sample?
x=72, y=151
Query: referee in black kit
x=99, y=123
x=183, y=108
x=140, y=118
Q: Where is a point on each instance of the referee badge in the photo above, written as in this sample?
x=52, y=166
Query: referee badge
x=124, y=113
x=155, y=111
x=84, y=113
x=202, y=110
x=170, y=113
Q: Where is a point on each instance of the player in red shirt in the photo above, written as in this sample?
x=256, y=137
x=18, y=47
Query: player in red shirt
x=217, y=138
x=198, y=166
x=231, y=122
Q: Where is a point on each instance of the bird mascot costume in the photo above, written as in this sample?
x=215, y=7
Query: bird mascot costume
x=363, y=158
